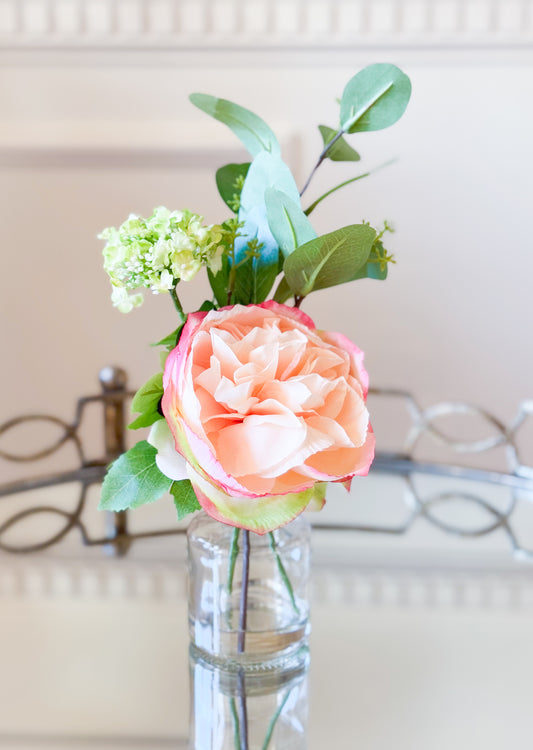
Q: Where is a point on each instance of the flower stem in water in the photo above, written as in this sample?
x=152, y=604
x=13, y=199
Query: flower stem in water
x=282, y=571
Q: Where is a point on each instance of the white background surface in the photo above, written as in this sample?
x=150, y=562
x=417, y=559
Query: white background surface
x=92, y=128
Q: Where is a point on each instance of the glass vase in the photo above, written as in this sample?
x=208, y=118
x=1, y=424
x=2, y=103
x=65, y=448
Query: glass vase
x=275, y=599
x=237, y=709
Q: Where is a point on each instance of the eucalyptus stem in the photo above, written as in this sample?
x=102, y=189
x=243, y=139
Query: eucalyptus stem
x=313, y=205
x=177, y=304
x=321, y=158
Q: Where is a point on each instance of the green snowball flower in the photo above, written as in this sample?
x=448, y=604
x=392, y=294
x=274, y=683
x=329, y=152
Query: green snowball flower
x=157, y=252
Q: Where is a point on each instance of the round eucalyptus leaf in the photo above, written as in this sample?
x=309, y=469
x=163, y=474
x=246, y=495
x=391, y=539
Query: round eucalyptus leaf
x=375, y=98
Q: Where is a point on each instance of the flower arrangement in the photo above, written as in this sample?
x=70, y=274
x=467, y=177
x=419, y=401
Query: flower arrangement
x=255, y=410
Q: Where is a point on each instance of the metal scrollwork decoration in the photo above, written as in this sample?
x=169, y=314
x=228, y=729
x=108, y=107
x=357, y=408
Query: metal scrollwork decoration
x=88, y=472
x=517, y=478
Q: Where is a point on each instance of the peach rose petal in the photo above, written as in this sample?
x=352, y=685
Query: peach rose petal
x=289, y=312
x=357, y=356
x=259, y=442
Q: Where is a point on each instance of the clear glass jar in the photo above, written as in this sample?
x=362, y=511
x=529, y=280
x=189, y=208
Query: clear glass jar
x=237, y=709
x=277, y=608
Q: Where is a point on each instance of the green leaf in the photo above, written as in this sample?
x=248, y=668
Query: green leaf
x=171, y=340
x=283, y=291
x=184, y=498
x=133, y=480
x=230, y=180
x=146, y=402
x=251, y=129
x=332, y=259
x=206, y=306
x=219, y=282
x=340, y=151
x=253, y=282
x=287, y=221
x=375, y=98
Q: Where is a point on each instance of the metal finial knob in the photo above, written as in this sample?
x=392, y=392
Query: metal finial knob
x=113, y=378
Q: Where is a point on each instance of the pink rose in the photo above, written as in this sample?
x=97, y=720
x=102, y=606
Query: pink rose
x=266, y=409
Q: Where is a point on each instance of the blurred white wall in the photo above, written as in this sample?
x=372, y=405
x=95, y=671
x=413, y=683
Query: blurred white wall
x=95, y=123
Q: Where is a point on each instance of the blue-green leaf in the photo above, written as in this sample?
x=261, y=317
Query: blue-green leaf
x=340, y=151
x=376, y=266
x=375, y=98
x=185, y=499
x=133, y=480
x=266, y=171
x=146, y=402
x=287, y=221
x=251, y=129
x=332, y=259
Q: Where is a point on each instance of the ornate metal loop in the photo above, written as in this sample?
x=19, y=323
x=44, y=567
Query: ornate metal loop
x=428, y=416
x=69, y=433
x=71, y=520
x=516, y=463
x=441, y=498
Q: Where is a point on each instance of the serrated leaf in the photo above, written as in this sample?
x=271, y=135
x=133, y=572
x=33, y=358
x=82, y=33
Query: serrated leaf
x=171, y=340
x=287, y=221
x=184, y=498
x=332, y=259
x=341, y=150
x=228, y=179
x=146, y=402
x=219, y=282
x=375, y=98
x=133, y=480
x=254, y=133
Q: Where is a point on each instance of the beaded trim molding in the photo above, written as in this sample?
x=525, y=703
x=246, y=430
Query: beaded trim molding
x=48, y=580
x=263, y=24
